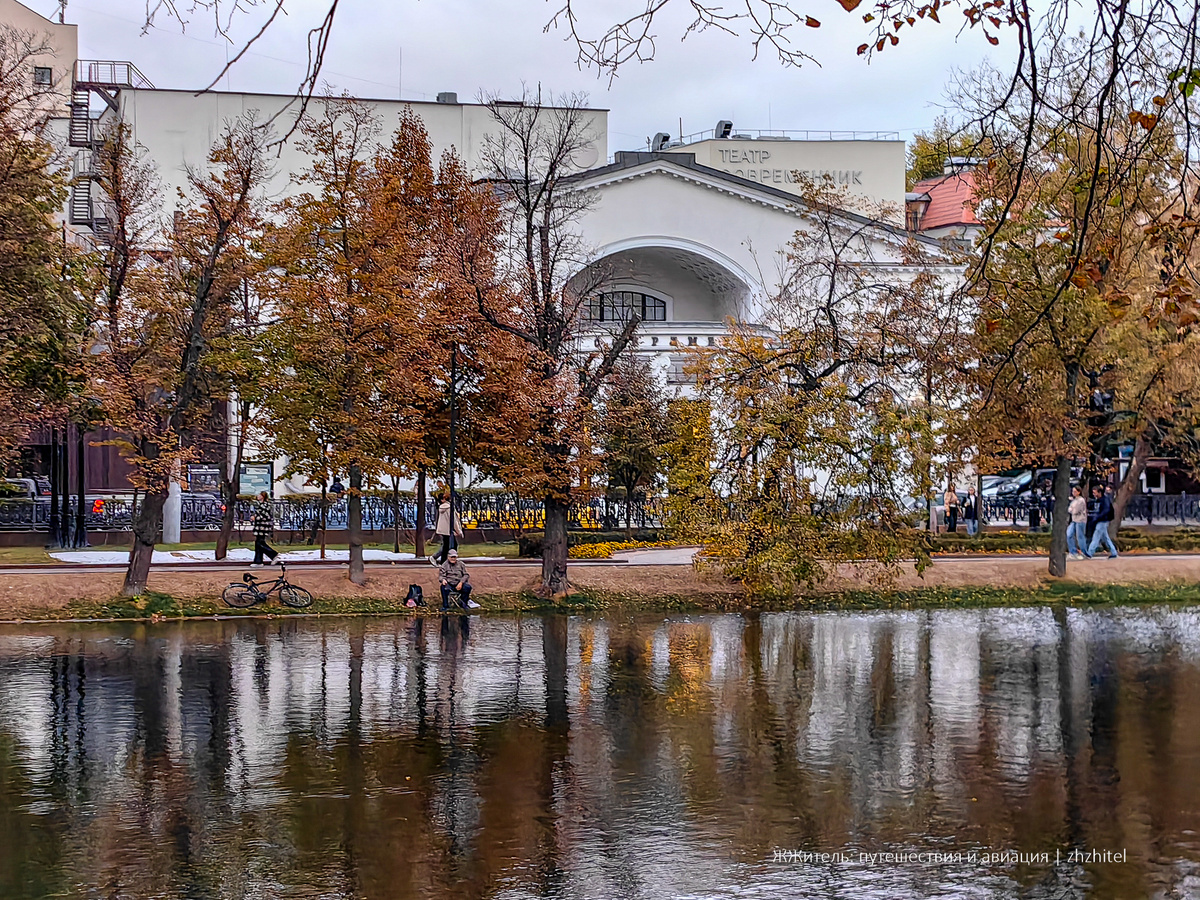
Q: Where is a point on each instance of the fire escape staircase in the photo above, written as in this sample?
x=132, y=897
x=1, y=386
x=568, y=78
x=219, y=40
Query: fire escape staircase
x=103, y=79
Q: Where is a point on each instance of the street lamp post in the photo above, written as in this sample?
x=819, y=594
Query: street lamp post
x=65, y=470
x=53, y=522
x=81, y=537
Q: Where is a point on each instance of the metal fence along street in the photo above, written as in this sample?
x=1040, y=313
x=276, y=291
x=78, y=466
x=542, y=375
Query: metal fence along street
x=476, y=511
x=1143, y=509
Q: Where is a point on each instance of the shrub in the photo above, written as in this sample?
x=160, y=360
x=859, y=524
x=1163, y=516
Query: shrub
x=530, y=543
x=605, y=549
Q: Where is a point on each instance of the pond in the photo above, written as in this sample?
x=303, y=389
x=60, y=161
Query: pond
x=978, y=753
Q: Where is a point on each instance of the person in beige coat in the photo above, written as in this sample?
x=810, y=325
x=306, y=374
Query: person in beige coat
x=449, y=533
x=950, y=500
x=1077, y=526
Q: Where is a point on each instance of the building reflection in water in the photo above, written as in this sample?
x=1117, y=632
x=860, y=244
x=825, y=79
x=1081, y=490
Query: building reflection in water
x=602, y=757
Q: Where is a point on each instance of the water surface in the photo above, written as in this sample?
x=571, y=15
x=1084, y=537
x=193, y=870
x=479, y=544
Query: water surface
x=700, y=757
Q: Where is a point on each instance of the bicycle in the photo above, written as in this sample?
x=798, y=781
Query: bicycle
x=250, y=591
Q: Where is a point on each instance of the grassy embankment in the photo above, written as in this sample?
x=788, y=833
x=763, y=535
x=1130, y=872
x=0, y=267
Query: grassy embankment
x=157, y=605
x=1003, y=580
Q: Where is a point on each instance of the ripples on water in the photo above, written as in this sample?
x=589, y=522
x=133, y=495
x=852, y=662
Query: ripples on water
x=596, y=758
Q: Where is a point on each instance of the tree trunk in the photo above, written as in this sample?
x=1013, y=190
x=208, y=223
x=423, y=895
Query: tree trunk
x=1128, y=486
x=231, y=478
x=146, y=526
x=229, y=492
x=419, y=525
x=628, y=514
x=554, y=549
x=1062, y=485
x=354, y=504
x=1058, y=534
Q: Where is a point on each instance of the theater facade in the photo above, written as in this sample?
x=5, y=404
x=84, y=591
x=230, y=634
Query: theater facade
x=687, y=233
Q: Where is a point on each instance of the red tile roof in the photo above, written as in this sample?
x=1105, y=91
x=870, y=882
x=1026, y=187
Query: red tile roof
x=951, y=200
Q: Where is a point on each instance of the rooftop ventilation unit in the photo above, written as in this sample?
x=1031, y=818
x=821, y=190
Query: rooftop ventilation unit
x=660, y=142
x=447, y=97
x=740, y=137
x=723, y=129
x=955, y=164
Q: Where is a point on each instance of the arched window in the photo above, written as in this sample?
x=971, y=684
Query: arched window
x=616, y=306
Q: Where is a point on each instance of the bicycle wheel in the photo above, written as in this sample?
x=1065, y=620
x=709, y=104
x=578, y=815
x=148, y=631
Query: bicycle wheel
x=295, y=597
x=239, y=596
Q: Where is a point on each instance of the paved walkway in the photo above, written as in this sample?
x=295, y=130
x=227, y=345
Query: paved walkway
x=239, y=558
x=239, y=555
x=670, y=556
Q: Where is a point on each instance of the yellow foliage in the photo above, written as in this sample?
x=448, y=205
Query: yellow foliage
x=605, y=550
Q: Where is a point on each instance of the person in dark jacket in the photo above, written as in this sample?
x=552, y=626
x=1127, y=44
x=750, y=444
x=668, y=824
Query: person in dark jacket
x=263, y=521
x=452, y=576
x=1101, y=514
x=970, y=511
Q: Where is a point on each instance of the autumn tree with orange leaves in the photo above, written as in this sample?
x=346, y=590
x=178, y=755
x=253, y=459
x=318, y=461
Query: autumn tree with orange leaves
x=343, y=316
x=535, y=292
x=368, y=309
x=1085, y=278
x=162, y=297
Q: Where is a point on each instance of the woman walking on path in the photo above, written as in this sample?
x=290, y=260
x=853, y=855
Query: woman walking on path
x=448, y=532
x=950, y=500
x=263, y=520
x=1077, y=526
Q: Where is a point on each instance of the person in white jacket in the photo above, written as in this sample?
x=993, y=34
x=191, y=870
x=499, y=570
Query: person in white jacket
x=1077, y=526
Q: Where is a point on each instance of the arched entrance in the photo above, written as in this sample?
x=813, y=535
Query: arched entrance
x=681, y=281
x=683, y=292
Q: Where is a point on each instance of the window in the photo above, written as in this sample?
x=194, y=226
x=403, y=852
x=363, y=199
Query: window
x=617, y=306
x=43, y=76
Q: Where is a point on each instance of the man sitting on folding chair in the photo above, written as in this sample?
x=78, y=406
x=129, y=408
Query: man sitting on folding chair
x=453, y=577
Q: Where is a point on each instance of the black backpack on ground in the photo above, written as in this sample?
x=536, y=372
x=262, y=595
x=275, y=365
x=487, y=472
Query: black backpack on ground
x=416, y=596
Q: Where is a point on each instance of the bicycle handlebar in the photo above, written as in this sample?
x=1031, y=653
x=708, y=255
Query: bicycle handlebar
x=249, y=578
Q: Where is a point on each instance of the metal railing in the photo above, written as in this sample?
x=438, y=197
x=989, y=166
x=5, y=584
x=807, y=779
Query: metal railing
x=110, y=73
x=499, y=511
x=476, y=511
x=1143, y=509
x=767, y=134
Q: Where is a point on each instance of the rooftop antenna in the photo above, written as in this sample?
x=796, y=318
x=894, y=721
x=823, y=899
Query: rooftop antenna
x=400, y=78
x=62, y=12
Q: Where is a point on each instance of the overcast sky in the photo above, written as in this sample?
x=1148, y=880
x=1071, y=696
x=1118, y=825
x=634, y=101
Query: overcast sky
x=469, y=45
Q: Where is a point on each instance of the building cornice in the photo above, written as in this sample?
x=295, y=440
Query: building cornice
x=683, y=167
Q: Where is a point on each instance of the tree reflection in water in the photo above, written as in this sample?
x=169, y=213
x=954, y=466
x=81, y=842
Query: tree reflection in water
x=601, y=757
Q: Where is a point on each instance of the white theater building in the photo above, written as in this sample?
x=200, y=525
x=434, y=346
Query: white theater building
x=688, y=232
